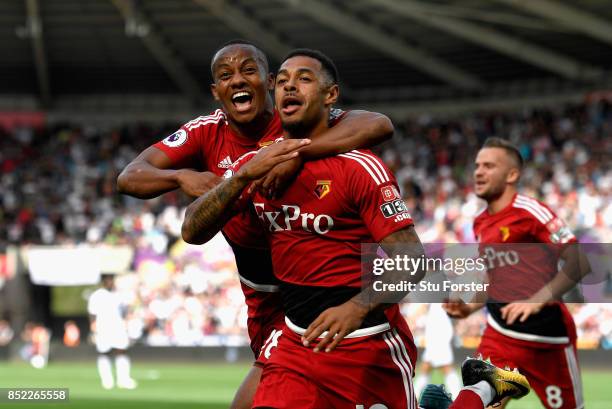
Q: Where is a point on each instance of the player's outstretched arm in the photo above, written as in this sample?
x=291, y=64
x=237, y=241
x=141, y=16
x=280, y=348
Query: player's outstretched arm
x=149, y=175
x=341, y=320
x=357, y=129
x=208, y=214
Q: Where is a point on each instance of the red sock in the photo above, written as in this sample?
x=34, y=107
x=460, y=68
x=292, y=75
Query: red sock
x=467, y=400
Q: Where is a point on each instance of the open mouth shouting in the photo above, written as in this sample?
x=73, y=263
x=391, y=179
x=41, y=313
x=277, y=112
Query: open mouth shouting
x=290, y=105
x=242, y=101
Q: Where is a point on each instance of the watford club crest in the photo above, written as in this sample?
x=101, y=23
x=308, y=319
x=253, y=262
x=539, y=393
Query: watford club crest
x=323, y=188
x=505, y=232
x=264, y=144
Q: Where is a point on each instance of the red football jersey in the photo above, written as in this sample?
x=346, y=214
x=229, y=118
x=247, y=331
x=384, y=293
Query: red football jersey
x=521, y=245
x=208, y=143
x=524, y=268
x=335, y=204
x=318, y=225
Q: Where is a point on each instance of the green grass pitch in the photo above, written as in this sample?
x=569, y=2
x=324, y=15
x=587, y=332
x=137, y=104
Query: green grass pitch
x=186, y=386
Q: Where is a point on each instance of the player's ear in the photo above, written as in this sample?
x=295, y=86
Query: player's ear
x=513, y=176
x=271, y=79
x=332, y=94
x=213, y=91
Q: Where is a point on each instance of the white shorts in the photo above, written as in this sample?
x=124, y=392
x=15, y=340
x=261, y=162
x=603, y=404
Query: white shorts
x=116, y=340
x=438, y=354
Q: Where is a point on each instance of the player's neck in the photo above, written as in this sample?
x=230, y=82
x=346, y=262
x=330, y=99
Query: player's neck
x=502, y=201
x=254, y=129
x=309, y=132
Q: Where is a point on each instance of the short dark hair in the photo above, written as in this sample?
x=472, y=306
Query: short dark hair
x=239, y=41
x=326, y=63
x=513, y=151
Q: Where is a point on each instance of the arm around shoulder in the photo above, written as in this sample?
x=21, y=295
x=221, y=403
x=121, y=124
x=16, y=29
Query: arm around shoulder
x=356, y=130
x=148, y=176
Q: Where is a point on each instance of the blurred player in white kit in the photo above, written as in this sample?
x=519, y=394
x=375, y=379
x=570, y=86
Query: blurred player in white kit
x=438, y=351
x=111, y=335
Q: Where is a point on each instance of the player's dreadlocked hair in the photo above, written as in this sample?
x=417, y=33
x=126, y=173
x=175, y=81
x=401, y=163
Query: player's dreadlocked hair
x=329, y=68
x=238, y=41
x=510, y=149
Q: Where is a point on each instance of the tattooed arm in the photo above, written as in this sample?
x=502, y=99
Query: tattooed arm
x=209, y=213
x=345, y=318
x=152, y=173
x=402, y=243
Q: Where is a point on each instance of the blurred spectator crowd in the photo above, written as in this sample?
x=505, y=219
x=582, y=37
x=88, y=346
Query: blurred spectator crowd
x=58, y=187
